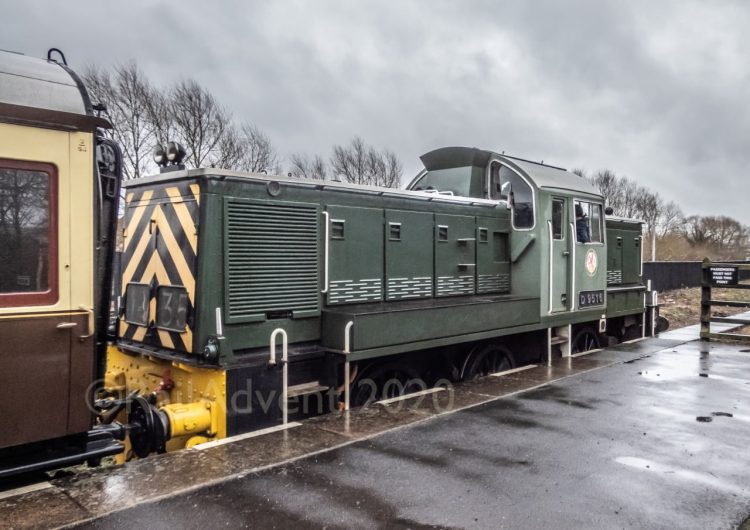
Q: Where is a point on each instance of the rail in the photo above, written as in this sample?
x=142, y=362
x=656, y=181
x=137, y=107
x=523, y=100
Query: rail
x=722, y=276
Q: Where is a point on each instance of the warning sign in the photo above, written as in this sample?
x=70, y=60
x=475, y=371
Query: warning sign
x=723, y=275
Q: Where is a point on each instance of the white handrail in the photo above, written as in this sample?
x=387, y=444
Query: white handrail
x=347, y=388
x=284, y=368
x=348, y=337
x=573, y=240
x=641, y=271
x=551, y=271
x=347, y=349
x=325, y=255
x=219, y=327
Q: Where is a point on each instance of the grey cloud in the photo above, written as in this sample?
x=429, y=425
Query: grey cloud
x=654, y=90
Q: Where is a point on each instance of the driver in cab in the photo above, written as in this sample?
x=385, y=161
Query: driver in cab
x=582, y=226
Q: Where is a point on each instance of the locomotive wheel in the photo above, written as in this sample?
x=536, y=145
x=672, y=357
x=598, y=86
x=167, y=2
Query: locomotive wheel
x=384, y=382
x=490, y=359
x=585, y=339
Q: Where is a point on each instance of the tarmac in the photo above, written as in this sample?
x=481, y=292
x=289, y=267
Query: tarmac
x=648, y=434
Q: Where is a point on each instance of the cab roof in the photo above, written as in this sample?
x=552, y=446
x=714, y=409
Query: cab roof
x=541, y=175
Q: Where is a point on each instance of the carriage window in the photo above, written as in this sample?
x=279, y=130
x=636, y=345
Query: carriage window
x=523, y=196
x=588, y=222
x=28, y=236
x=557, y=218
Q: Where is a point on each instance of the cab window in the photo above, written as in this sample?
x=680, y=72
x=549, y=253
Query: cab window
x=459, y=181
x=558, y=206
x=28, y=234
x=523, y=195
x=588, y=222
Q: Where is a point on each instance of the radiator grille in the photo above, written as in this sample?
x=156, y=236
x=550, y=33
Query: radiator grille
x=493, y=283
x=272, y=258
x=454, y=285
x=403, y=288
x=349, y=291
x=614, y=277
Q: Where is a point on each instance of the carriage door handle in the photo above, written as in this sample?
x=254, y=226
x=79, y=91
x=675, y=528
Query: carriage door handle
x=66, y=325
x=566, y=252
x=90, y=322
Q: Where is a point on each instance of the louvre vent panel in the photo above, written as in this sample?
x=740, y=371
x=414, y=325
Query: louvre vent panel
x=272, y=258
x=614, y=277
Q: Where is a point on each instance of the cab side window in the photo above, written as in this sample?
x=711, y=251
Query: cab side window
x=558, y=206
x=588, y=222
x=28, y=234
x=523, y=195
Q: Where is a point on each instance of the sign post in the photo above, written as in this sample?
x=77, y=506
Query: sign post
x=722, y=276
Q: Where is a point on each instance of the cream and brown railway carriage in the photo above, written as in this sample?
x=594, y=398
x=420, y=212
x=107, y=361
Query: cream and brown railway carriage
x=56, y=211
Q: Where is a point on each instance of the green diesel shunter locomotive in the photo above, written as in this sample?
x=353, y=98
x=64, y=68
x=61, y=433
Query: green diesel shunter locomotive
x=240, y=287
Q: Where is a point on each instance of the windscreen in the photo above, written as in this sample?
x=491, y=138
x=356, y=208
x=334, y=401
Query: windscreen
x=454, y=181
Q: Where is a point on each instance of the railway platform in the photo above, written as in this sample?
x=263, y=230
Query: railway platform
x=651, y=433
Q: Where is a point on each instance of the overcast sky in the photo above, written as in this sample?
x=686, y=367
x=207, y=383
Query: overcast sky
x=655, y=90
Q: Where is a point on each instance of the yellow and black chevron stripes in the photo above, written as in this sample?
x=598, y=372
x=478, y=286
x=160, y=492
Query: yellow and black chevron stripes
x=161, y=245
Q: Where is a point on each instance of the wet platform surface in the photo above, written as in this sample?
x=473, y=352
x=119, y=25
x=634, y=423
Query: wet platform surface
x=648, y=434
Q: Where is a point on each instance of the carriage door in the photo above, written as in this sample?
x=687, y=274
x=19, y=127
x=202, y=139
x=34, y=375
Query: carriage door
x=559, y=255
x=35, y=326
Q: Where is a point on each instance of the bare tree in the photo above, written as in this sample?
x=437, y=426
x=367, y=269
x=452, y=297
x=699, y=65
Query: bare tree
x=607, y=183
x=158, y=109
x=200, y=123
x=723, y=234
x=128, y=96
x=351, y=162
x=228, y=152
x=359, y=163
x=308, y=168
x=671, y=219
x=257, y=153
x=394, y=170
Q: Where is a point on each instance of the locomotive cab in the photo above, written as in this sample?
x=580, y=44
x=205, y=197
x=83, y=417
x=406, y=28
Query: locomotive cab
x=545, y=245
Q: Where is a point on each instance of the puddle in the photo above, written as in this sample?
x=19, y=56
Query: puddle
x=686, y=475
x=704, y=419
x=702, y=375
x=724, y=414
x=631, y=361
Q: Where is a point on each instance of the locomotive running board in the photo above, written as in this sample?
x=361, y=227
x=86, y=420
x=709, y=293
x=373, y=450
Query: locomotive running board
x=514, y=370
x=25, y=489
x=429, y=391
x=253, y=434
x=425, y=392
